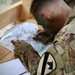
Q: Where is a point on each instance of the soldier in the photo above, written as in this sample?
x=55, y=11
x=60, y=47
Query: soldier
x=51, y=14
x=59, y=58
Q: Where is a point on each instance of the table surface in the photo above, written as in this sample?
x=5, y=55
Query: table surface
x=6, y=55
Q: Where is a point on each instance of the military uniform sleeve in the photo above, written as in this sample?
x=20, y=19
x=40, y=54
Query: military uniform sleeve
x=50, y=63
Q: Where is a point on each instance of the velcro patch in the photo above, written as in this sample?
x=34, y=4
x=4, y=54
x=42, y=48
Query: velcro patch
x=47, y=64
x=59, y=49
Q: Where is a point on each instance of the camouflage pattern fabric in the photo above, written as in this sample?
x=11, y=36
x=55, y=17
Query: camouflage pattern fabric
x=71, y=3
x=30, y=60
x=66, y=40
x=29, y=57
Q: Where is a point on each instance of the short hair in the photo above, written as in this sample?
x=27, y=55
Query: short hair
x=37, y=5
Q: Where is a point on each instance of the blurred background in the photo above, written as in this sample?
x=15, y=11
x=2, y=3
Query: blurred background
x=6, y=3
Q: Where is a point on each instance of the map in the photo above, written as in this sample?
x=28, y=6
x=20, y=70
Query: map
x=24, y=31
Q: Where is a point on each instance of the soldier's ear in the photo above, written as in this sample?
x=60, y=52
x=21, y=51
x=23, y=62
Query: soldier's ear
x=47, y=16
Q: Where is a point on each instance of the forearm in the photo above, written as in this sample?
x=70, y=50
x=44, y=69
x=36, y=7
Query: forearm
x=30, y=60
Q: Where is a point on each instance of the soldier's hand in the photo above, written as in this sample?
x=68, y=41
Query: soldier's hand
x=21, y=46
x=42, y=34
x=39, y=32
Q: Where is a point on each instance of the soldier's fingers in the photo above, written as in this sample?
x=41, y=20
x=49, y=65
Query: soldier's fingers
x=13, y=42
x=20, y=41
x=37, y=34
x=38, y=31
x=47, y=40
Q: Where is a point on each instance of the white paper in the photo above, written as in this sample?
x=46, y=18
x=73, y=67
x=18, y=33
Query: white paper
x=13, y=67
x=24, y=31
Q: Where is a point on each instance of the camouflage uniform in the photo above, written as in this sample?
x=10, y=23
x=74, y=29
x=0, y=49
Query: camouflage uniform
x=71, y=3
x=59, y=59
x=64, y=44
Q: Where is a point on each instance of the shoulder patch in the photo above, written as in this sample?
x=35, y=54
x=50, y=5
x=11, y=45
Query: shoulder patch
x=47, y=64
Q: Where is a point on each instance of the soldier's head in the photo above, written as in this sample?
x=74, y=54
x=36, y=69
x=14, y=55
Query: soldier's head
x=47, y=11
